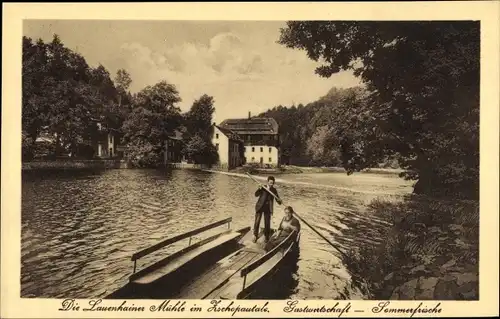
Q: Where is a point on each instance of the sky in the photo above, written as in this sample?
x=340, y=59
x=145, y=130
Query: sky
x=239, y=63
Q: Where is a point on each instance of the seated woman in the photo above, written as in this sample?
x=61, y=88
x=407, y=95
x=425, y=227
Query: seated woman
x=288, y=224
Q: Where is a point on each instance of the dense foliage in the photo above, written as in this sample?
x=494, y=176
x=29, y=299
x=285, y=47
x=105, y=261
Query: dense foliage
x=64, y=98
x=154, y=118
x=198, y=132
x=68, y=107
x=422, y=101
x=428, y=250
x=312, y=135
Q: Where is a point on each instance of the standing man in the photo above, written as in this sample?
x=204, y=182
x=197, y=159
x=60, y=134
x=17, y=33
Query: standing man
x=264, y=206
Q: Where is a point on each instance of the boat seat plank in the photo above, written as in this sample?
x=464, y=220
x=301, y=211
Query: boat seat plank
x=183, y=259
x=220, y=273
x=235, y=284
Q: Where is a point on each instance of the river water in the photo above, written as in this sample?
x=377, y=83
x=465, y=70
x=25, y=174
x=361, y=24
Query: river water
x=80, y=228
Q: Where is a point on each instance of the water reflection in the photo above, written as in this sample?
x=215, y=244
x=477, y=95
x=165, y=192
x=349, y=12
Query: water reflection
x=79, y=228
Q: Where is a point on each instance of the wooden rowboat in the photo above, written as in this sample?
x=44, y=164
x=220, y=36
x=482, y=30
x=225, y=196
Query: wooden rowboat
x=242, y=273
x=227, y=265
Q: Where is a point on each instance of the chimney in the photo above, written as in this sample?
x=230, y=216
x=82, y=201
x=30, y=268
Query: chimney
x=249, y=115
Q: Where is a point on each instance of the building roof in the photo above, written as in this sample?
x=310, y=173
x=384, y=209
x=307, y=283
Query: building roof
x=255, y=125
x=229, y=133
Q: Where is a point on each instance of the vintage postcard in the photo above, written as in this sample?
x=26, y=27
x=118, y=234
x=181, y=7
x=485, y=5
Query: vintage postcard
x=250, y=160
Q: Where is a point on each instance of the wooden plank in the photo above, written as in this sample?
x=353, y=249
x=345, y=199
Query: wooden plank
x=234, y=289
x=217, y=276
x=176, y=255
x=235, y=286
x=256, y=277
x=185, y=258
x=267, y=256
x=174, y=239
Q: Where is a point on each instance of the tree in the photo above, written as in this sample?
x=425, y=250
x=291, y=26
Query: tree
x=59, y=97
x=199, y=129
x=36, y=95
x=423, y=79
x=200, y=150
x=199, y=117
x=323, y=148
x=122, y=82
x=155, y=117
x=101, y=79
x=76, y=99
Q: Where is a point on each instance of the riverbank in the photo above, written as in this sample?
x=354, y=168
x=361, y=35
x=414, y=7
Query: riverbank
x=64, y=164
x=430, y=252
x=67, y=164
x=292, y=169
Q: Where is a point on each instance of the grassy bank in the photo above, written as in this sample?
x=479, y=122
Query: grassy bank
x=430, y=252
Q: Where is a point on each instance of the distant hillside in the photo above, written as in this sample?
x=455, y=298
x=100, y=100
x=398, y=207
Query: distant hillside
x=307, y=132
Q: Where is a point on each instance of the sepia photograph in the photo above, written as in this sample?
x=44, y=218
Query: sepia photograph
x=250, y=159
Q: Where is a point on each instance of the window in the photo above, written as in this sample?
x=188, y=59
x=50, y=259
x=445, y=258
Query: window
x=270, y=150
x=261, y=149
x=217, y=135
x=253, y=159
x=270, y=160
x=253, y=149
x=217, y=146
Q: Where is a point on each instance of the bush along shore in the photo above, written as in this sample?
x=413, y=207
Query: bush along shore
x=430, y=252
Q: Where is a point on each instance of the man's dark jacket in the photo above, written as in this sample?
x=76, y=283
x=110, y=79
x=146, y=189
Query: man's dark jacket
x=266, y=200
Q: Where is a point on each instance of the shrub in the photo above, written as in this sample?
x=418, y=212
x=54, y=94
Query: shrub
x=425, y=233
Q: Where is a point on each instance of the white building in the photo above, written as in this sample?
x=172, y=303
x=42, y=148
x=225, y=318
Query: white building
x=262, y=154
x=260, y=137
x=229, y=147
x=106, y=145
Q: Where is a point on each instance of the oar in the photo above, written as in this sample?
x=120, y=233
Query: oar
x=301, y=219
